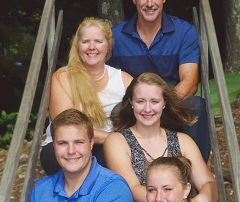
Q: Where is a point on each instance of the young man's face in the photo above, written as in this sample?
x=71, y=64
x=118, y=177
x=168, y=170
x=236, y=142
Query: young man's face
x=73, y=149
x=149, y=10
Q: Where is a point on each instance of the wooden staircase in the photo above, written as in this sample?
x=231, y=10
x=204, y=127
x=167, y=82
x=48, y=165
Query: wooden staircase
x=50, y=36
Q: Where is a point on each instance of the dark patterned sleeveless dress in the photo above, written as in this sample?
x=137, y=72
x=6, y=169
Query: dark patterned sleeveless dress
x=138, y=159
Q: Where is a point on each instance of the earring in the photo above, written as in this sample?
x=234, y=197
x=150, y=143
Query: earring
x=164, y=107
x=132, y=107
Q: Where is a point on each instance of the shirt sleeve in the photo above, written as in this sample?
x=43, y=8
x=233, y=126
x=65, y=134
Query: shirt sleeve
x=189, y=52
x=117, y=191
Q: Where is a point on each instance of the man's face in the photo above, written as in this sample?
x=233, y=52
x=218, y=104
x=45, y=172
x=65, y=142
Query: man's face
x=73, y=149
x=149, y=10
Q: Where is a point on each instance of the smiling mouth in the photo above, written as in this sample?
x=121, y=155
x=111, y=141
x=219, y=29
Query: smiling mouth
x=92, y=55
x=72, y=160
x=147, y=116
x=153, y=8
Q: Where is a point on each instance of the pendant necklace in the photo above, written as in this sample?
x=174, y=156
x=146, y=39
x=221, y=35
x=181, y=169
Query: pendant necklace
x=150, y=155
x=101, y=77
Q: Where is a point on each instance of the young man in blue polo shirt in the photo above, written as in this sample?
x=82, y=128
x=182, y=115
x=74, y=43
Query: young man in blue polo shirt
x=152, y=41
x=81, y=177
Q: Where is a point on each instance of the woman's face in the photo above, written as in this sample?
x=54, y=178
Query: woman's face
x=93, y=47
x=163, y=185
x=148, y=104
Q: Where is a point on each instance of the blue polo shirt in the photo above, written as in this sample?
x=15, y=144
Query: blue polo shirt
x=100, y=185
x=176, y=43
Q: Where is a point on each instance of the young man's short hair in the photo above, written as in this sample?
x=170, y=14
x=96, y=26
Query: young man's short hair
x=72, y=117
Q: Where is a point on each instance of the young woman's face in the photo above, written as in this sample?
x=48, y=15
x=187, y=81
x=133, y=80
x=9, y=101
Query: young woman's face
x=148, y=104
x=93, y=47
x=162, y=185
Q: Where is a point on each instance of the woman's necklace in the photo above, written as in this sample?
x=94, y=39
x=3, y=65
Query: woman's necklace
x=101, y=77
x=150, y=155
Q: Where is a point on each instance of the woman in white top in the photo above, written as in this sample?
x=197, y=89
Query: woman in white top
x=87, y=84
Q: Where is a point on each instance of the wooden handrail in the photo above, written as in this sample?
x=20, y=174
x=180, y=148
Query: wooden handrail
x=206, y=94
x=12, y=161
x=35, y=146
x=225, y=108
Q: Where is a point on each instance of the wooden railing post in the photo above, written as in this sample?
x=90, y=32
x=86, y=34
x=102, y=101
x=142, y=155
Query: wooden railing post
x=206, y=94
x=12, y=161
x=224, y=103
x=33, y=157
x=51, y=34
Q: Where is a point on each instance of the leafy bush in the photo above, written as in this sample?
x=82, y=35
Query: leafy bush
x=7, y=123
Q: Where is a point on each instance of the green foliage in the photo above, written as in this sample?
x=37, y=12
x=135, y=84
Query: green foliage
x=7, y=123
x=233, y=88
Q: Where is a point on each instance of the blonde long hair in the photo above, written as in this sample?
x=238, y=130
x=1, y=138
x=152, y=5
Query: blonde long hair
x=85, y=97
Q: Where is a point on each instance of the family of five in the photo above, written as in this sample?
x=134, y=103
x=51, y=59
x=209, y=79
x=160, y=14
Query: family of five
x=125, y=123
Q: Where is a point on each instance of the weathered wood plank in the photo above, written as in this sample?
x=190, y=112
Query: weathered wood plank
x=206, y=91
x=226, y=112
x=33, y=157
x=12, y=160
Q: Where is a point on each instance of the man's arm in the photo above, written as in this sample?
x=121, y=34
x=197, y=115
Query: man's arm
x=188, y=75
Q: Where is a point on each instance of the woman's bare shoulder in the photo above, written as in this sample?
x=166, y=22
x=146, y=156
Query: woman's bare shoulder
x=60, y=75
x=127, y=78
x=61, y=72
x=114, y=140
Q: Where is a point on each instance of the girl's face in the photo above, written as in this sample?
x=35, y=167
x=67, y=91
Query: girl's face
x=93, y=47
x=163, y=185
x=148, y=104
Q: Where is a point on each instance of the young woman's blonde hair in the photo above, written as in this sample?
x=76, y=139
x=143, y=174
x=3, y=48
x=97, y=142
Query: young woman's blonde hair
x=84, y=94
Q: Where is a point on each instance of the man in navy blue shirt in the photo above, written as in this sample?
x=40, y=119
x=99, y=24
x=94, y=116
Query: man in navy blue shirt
x=81, y=177
x=152, y=41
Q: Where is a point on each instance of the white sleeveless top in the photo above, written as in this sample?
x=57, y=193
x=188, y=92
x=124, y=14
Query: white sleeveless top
x=109, y=97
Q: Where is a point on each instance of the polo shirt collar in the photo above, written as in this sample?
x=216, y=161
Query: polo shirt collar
x=130, y=26
x=87, y=185
x=167, y=24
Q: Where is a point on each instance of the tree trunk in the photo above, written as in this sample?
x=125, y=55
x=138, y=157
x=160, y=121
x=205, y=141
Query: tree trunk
x=111, y=11
x=232, y=34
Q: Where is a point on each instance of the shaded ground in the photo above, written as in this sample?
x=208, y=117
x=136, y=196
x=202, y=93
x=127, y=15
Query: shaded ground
x=222, y=146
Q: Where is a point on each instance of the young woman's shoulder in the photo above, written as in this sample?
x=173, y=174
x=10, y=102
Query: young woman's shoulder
x=114, y=137
x=187, y=145
x=185, y=141
x=184, y=136
x=115, y=141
